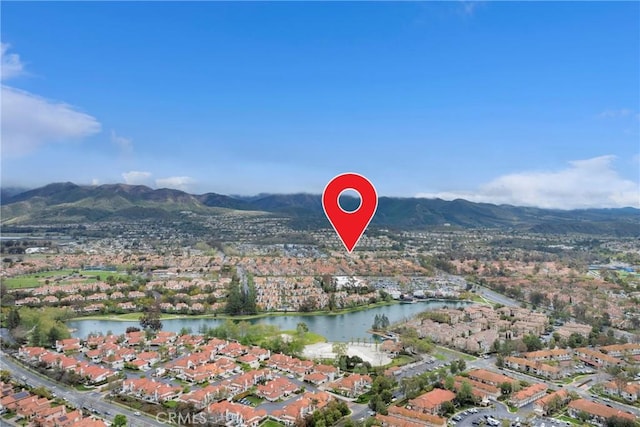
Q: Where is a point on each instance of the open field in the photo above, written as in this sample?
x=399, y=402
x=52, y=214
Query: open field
x=309, y=337
x=367, y=352
x=56, y=276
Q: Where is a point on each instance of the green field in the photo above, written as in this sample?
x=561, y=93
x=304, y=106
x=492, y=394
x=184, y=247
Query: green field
x=401, y=360
x=40, y=279
x=271, y=423
x=454, y=353
x=309, y=337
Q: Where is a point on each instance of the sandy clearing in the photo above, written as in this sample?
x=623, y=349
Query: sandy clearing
x=365, y=351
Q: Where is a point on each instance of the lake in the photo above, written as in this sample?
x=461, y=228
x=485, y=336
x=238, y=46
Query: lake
x=337, y=327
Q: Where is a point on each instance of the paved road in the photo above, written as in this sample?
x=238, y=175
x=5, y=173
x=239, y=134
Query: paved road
x=499, y=412
x=495, y=297
x=89, y=399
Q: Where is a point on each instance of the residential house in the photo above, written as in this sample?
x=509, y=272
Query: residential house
x=276, y=389
x=28, y=408
x=557, y=354
x=201, y=398
x=551, y=402
x=399, y=415
x=491, y=378
x=528, y=395
x=31, y=354
x=483, y=393
x=629, y=391
x=149, y=390
x=535, y=367
x=299, y=408
x=621, y=350
x=228, y=413
x=48, y=414
x=596, y=358
x=250, y=359
x=431, y=402
x=68, y=345
x=597, y=412
x=352, y=385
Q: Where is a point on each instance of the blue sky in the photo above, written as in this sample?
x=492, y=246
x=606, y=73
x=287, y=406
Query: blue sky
x=522, y=103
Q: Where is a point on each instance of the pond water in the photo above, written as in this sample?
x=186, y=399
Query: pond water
x=338, y=327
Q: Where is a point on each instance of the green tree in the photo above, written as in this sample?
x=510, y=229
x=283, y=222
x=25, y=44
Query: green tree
x=532, y=342
x=301, y=329
x=249, y=298
x=464, y=394
x=241, y=300
x=55, y=334
x=120, y=421
x=506, y=388
x=536, y=298
x=615, y=421
x=150, y=318
x=340, y=349
x=36, y=336
x=449, y=382
x=447, y=408
x=42, y=391
x=234, y=297
x=13, y=319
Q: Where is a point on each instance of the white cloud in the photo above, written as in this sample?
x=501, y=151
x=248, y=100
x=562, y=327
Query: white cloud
x=125, y=144
x=469, y=7
x=619, y=113
x=177, y=182
x=10, y=64
x=95, y=181
x=591, y=183
x=137, y=178
x=29, y=121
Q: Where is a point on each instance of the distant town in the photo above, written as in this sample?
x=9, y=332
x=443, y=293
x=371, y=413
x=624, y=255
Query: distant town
x=146, y=323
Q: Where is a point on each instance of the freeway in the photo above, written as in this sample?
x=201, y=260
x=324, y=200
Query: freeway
x=92, y=400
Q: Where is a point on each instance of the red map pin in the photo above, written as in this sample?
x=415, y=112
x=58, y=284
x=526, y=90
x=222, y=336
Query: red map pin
x=349, y=225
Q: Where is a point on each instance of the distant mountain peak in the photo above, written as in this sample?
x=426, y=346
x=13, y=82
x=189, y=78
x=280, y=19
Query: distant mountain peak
x=57, y=201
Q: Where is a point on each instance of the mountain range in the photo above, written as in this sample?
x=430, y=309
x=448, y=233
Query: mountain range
x=69, y=202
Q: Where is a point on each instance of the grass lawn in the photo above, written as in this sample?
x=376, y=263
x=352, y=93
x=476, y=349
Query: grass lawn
x=271, y=423
x=309, y=337
x=364, y=398
x=254, y=400
x=38, y=279
x=574, y=379
x=568, y=419
x=401, y=360
x=82, y=387
x=171, y=404
x=455, y=353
